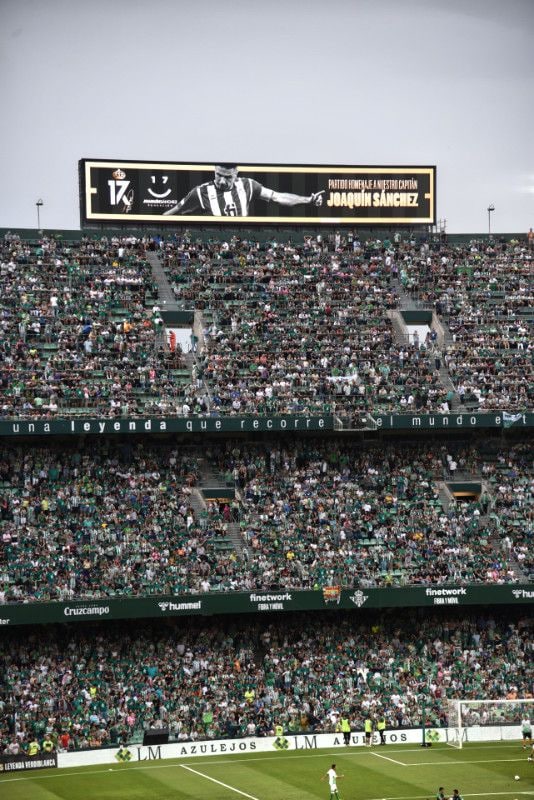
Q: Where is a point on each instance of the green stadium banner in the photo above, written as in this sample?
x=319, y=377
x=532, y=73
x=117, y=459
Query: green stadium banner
x=329, y=597
x=453, y=421
x=290, y=423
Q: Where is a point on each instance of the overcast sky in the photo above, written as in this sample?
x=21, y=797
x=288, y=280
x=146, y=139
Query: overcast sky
x=444, y=82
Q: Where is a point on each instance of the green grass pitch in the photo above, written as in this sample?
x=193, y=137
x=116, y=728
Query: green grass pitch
x=382, y=773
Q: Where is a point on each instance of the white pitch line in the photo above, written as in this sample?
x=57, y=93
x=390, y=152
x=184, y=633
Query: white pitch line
x=451, y=764
x=393, y=761
x=214, y=780
x=481, y=794
x=356, y=750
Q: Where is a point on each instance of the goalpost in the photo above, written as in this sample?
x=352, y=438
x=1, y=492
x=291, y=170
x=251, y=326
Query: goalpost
x=487, y=720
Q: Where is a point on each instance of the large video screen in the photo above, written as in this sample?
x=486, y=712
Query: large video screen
x=225, y=193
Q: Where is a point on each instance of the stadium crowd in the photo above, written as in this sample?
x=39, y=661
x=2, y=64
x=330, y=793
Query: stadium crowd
x=301, y=329
x=98, y=519
x=281, y=327
x=485, y=293
x=81, y=331
x=326, y=513
x=304, y=327
x=99, y=686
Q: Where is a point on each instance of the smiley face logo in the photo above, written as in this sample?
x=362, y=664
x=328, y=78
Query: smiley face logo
x=159, y=182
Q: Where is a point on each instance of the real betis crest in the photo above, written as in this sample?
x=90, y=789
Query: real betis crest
x=359, y=598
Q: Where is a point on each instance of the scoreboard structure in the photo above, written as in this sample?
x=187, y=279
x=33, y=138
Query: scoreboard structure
x=162, y=193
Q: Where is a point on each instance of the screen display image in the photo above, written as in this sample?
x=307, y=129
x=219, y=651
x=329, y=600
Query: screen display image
x=225, y=193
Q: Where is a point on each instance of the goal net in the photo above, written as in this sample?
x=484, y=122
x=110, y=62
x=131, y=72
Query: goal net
x=487, y=720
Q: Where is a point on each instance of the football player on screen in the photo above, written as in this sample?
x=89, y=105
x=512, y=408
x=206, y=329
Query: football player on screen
x=229, y=195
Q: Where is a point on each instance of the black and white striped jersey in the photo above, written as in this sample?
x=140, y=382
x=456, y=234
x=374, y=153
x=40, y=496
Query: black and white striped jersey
x=235, y=202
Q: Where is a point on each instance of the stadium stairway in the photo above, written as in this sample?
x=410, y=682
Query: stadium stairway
x=492, y=521
x=445, y=497
x=210, y=481
x=165, y=293
x=495, y=540
x=168, y=302
x=488, y=523
x=407, y=303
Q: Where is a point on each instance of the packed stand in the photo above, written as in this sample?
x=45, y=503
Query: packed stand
x=100, y=520
x=80, y=331
x=484, y=293
x=280, y=328
x=300, y=328
x=97, y=519
x=511, y=514
x=101, y=686
x=328, y=513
